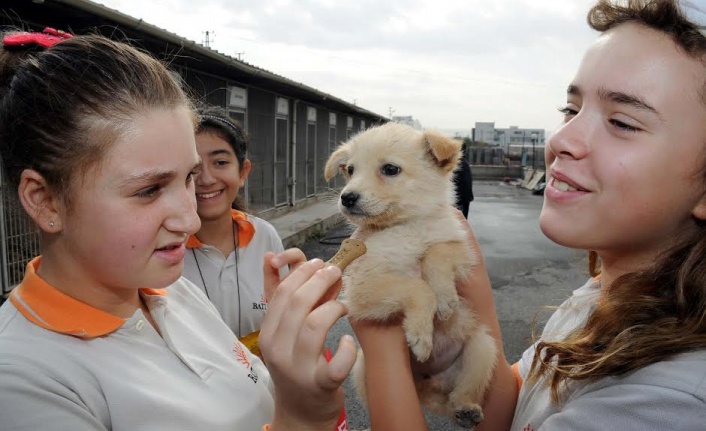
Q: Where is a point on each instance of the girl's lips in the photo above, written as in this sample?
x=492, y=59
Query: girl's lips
x=172, y=254
x=209, y=195
x=565, y=183
x=561, y=191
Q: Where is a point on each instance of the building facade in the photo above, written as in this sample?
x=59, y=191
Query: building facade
x=519, y=144
x=505, y=138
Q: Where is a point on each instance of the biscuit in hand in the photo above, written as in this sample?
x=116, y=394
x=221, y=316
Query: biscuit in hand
x=350, y=250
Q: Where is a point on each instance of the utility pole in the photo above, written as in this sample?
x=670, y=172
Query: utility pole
x=207, y=38
x=239, y=54
x=391, y=111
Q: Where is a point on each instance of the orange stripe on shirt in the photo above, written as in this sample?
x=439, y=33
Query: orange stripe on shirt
x=518, y=377
x=246, y=231
x=45, y=306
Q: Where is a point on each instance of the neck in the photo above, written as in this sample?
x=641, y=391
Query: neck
x=218, y=233
x=612, y=267
x=121, y=302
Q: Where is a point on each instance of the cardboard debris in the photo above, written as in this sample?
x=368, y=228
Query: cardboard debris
x=536, y=176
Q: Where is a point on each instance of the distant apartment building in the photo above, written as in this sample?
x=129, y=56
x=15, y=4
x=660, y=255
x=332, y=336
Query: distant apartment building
x=408, y=120
x=523, y=146
x=508, y=139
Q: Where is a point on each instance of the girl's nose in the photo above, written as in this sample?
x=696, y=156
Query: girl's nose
x=183, y=217
x=572, y=139
x=204, y=177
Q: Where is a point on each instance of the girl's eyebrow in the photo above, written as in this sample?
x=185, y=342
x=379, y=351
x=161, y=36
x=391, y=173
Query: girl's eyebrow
x=220, y=151
x=147, y=177
x=626, y=99
x=619, y=97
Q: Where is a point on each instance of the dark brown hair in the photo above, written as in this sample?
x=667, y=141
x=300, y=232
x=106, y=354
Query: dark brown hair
x=61, y=108
x=215, y=120
x=651, y=315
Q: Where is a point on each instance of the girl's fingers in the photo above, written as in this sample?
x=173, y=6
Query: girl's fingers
x=293, y=257
x=333, y=373
x=280, y=300
x=312, y=335
x=332, y=293
x=303, y=300
x=271, y=273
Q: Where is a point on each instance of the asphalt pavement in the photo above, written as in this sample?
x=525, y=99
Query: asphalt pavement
x=529, y=274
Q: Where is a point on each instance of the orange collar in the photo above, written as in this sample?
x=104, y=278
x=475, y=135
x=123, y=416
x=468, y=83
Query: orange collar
x=246, y=231
x=46, y=306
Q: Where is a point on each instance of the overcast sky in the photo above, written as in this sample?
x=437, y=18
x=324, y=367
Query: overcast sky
x=448, y=63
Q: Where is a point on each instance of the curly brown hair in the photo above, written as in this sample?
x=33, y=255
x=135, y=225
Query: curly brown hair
x=654, y=314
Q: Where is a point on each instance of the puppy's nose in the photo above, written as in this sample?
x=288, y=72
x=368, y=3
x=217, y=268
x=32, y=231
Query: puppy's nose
x=349, y=199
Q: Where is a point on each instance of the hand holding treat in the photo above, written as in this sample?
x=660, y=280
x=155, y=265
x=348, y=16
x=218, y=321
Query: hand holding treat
x=350, y=250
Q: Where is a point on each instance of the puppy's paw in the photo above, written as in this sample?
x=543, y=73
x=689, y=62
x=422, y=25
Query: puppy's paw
x=446, y=307
x=469, y=417
x=420, y=344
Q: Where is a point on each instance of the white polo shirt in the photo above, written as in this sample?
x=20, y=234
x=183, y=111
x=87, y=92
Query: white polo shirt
x=236, y=291
x=667, y=395
x=65, y=365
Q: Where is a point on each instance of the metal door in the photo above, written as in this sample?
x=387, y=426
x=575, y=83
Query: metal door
x=280, y=160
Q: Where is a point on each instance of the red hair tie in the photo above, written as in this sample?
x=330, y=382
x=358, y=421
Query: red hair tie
x=47, y=38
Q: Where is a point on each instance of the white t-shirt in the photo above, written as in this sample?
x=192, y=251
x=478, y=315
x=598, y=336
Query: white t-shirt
x=236, y=288
x=668, y=395
x=65, y=365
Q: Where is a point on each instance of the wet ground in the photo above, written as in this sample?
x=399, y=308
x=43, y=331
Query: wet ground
x=527, y=271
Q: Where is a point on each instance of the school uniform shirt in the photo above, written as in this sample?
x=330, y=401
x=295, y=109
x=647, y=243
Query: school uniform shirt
x=668, y=395
x=235, y=287
x=65, y=365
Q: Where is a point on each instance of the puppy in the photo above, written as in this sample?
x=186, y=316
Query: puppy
x=399, y=193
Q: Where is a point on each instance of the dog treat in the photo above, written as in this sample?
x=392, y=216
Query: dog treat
x=350, y=250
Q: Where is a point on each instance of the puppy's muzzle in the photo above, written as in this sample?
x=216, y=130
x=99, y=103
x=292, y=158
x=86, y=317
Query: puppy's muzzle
x=349, y=199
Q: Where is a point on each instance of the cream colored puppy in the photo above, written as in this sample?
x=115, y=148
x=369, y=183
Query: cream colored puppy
x=400, y=196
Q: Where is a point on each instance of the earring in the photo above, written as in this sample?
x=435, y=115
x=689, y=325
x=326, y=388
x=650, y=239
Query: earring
x=51, y=223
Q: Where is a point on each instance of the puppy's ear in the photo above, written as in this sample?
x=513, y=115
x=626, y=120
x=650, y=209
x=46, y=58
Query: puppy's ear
x=336, y=159
x=444, y=150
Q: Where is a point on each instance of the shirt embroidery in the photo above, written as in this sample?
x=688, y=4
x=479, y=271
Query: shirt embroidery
x=242, y=357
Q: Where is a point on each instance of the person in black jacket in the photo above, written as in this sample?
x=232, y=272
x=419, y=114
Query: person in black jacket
x=463, y=181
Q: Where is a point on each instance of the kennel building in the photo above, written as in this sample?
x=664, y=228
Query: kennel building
x=293, y=127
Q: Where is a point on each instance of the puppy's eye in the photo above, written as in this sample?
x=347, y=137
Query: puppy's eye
x=349, y=169
x=390, y=170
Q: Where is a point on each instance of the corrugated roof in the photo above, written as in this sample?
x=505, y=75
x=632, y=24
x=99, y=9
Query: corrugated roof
x=294, y=88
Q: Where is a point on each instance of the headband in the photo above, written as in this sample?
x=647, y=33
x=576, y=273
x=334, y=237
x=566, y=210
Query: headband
x=221, y=120
x=235, y=133
x=46, y=39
